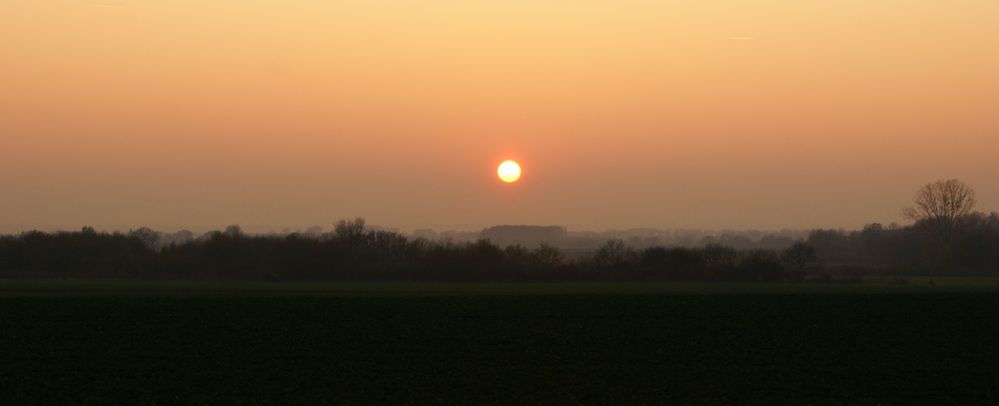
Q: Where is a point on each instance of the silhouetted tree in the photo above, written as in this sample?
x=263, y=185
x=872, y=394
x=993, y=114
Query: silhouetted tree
x=233, y=231
x=674, y=263
x=798, y=258
x=547, y=256
x=614, y=254
x=350, y=234
x=940, y=205
x=350, y=230
x=720, y=260
x=517, y=256
x=760, y=265
x=483, y=253
x=148, y=237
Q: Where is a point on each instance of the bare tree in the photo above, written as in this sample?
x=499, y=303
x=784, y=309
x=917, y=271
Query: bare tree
x=350, y=230
x=547, y=256
x=941, y=204
x=614, y=254
x=352, y=234
x=148, y=237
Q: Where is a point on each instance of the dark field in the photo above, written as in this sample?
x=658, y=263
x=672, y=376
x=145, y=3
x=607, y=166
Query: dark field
x=150, y=343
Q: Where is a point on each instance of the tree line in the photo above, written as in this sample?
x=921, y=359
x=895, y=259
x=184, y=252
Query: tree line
x=947, y=237
x=972, y=249
x=353, y=252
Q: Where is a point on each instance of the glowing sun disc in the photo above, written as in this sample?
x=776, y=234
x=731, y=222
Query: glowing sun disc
x=509, y=171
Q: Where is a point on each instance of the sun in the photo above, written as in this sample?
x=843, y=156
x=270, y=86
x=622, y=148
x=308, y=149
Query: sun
x=509, y=171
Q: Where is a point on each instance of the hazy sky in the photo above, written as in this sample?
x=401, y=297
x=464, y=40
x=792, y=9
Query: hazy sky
x=706, y=114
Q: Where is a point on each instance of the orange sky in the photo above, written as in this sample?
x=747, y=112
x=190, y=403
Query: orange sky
x=764, y=114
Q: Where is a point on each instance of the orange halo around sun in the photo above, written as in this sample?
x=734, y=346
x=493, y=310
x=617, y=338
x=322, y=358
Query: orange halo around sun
x=509, y=171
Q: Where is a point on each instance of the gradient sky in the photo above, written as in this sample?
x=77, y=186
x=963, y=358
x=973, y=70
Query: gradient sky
x=697, y=114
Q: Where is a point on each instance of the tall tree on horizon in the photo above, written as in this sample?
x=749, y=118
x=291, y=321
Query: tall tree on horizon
x=940, y=205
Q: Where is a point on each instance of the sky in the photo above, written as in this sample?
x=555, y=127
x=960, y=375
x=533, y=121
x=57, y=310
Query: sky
x=672, y=114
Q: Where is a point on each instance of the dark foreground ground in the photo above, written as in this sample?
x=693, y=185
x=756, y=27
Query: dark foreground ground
x=166, y=343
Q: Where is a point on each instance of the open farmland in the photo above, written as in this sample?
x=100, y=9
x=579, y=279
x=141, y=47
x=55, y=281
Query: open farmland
x=186, y=342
